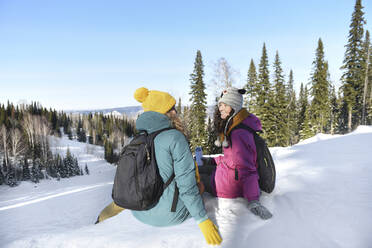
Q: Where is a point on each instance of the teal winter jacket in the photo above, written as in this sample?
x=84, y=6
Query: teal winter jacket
x=171, y=147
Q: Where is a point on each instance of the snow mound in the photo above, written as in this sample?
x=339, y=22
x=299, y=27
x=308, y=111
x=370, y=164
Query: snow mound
x=317, y=137
x=362, y=129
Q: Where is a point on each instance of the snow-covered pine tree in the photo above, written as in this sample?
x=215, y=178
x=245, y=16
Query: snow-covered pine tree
x=26, y=170
x=61, y=168
x=352, y=78
x=81, y=134
x=68, y=161
x=76, y=166
x=10, y=177
x=198, y=99
x=320, y=105
x=35, y=173
x=86, y=169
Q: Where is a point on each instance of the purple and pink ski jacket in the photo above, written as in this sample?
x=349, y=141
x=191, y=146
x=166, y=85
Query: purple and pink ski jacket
x=236, y=173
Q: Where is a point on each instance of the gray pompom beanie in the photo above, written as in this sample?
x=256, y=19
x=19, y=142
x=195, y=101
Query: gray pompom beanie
x=232, y=97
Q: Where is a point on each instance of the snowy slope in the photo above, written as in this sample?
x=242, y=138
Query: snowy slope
x=323, y=198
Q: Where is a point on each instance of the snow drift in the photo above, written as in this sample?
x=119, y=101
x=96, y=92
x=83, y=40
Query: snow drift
x=323, y=198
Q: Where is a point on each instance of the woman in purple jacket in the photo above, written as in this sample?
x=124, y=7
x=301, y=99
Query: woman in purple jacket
x=236, y=172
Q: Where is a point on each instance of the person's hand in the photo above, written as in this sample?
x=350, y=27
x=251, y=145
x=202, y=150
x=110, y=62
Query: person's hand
x=259, y=210
x=210, y=232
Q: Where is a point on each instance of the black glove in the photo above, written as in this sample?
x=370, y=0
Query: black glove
x=259, y=210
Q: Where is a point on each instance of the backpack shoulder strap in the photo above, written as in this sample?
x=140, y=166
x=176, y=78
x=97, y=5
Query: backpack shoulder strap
x=166, y=184
x=154, y=134
x=243, y=126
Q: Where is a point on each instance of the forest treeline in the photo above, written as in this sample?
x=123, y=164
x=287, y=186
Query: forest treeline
x=25, y=132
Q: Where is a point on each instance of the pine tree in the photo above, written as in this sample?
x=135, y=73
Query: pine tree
x=198, y=105
x=263, y=87
x=35, y=173
x=86, y=169
x=80, y=132
x=306, y=130
x=61, y=168
x=69, y=163
x=5, y=167
x=302, y=106
x=333, y=125
x=319, y=91
x=342, y=115
x=26, y=170
x=1, y=177
x=185, y=119
x=270, y=122
x=369, y=89
x=179, y=107
x=109, y=153
x=291, y=111
x=367, y=72
x=279, y=108
x=352, y=78
x=250, y=101
x=10, y=178
x=212, y=137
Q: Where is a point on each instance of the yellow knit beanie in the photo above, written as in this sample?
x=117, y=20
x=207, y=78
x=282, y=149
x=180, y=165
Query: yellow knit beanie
x=153, y=100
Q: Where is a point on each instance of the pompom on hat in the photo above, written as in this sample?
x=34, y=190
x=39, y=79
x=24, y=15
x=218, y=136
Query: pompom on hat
x=153, y=100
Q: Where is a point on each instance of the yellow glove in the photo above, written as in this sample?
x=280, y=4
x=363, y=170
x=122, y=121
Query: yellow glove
x=110, y=210
x=210, y=232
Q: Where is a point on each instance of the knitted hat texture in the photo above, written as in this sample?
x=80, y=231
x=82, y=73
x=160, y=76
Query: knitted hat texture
x=153, y=100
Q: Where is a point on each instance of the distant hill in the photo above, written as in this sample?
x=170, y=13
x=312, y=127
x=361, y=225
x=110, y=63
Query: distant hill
x=130, y=112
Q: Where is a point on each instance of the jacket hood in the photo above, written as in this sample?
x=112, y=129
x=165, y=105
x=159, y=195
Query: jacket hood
x=151, y=121
x=253, y=122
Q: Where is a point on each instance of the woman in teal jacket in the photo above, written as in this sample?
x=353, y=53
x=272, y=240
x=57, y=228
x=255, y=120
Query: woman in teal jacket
x=172, y=153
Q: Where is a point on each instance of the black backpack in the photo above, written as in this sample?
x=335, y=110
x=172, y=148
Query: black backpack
x=138, y=184
x=265, y=162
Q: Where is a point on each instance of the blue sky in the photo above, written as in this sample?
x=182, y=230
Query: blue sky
x=94, y=54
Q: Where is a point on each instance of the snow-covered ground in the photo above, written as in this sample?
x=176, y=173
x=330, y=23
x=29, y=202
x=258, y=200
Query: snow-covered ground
x=323, y=198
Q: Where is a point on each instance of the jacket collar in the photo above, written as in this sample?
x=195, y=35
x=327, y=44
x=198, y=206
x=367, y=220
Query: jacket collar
x=236, y=120
x=151, y=121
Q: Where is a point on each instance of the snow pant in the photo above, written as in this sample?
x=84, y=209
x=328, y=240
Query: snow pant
x=207, y=172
